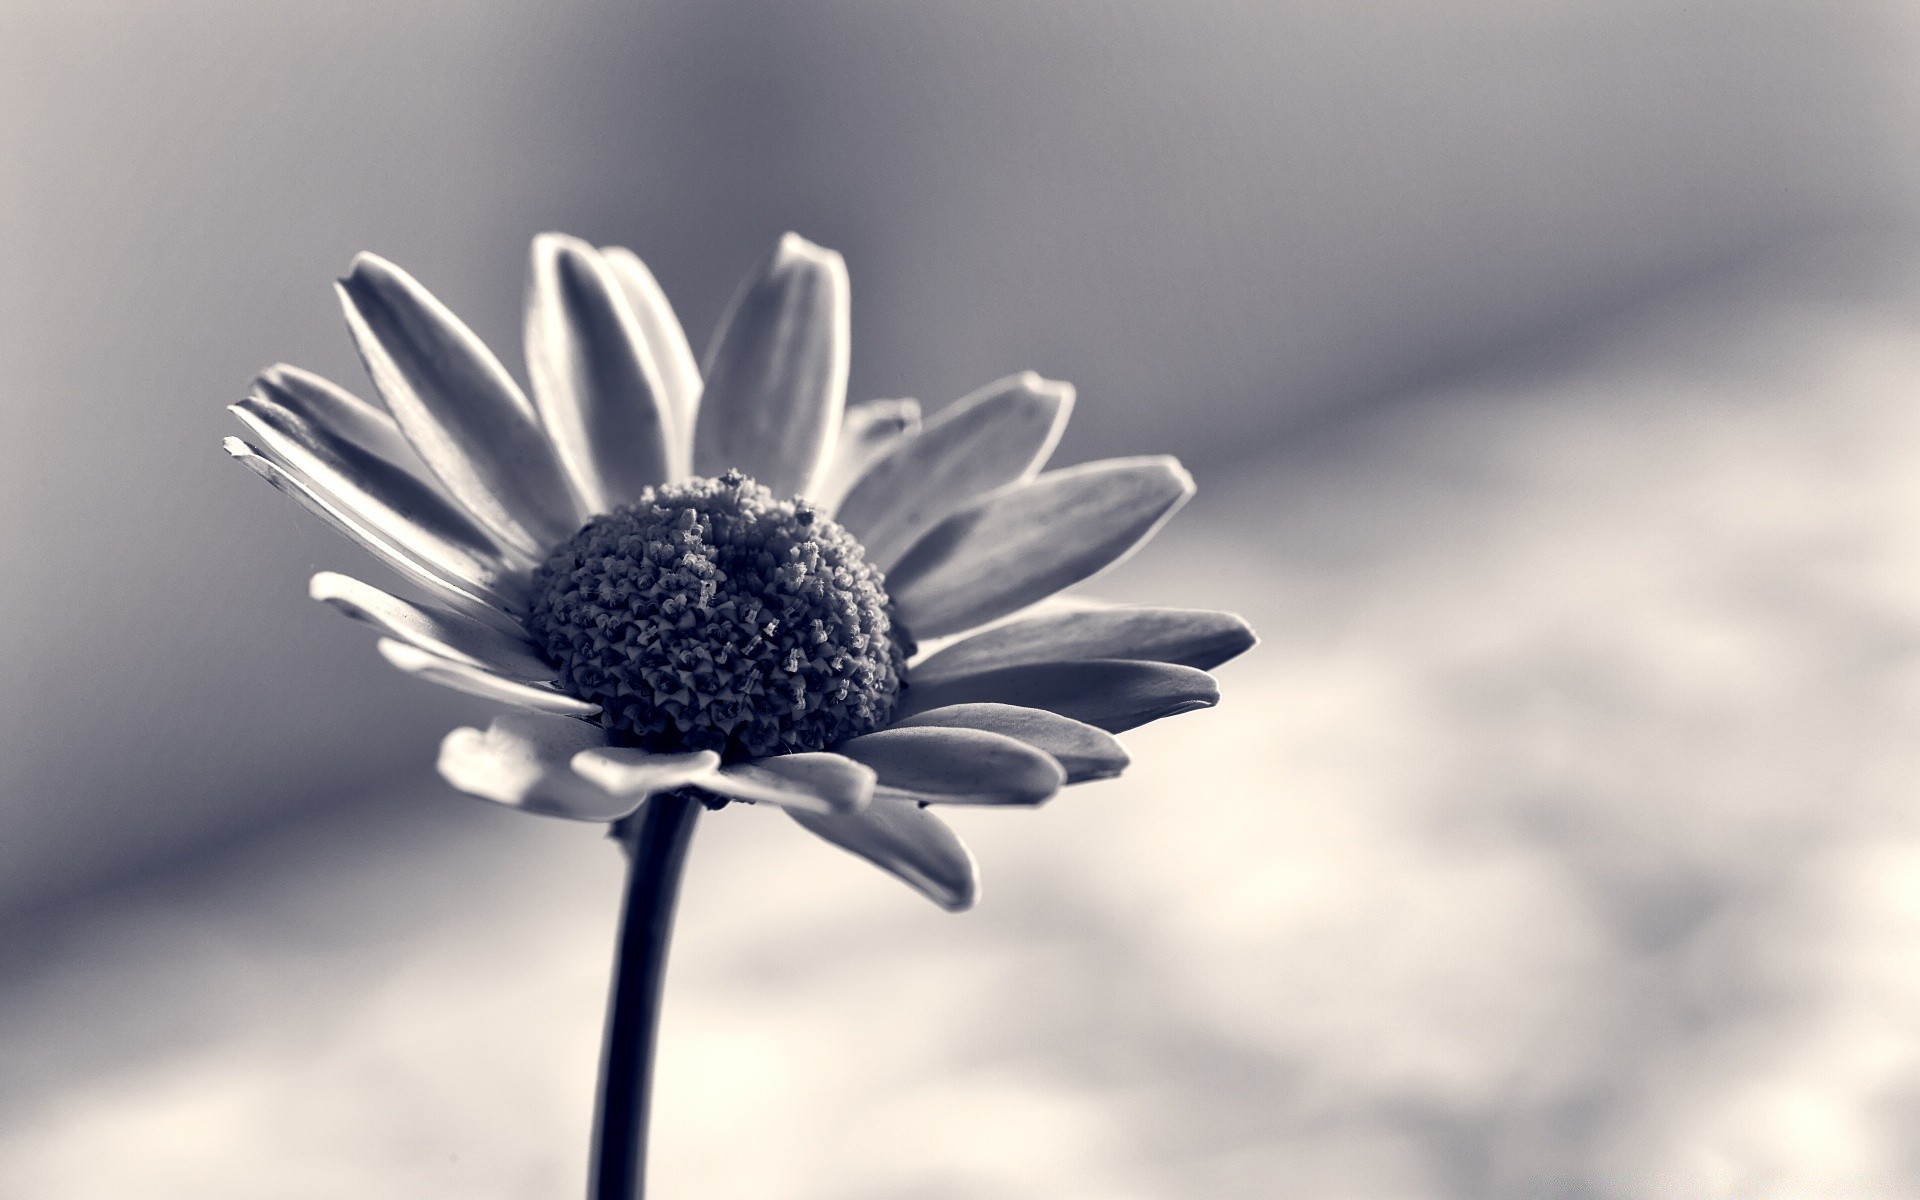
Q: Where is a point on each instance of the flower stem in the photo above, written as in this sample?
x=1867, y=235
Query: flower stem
x=656, y=839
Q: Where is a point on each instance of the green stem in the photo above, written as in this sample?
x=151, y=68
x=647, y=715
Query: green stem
x=656, y=839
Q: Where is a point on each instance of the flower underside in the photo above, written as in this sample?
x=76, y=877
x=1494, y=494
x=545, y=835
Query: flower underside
x=709, y=615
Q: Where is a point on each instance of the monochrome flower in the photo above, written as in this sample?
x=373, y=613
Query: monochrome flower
x=715, y=579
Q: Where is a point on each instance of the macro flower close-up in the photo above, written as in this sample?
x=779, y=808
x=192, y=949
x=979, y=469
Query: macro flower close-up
x=743, y=768
x=721, y=586
x=696, y=587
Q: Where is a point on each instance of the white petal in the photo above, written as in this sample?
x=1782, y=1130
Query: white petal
x=382, y=496
x=476, y=682
x=870, y=429
x=324, y=402
x=998, y=435
x=436, y=631
x=1114, y=695
x=1083, y=751
x=907, y=841
x=523, y=762
x=948, y=765
x=491, y=609
x=777, y=372
x=1063, y=602
x=459, y=407
x=1030, y=540
x=672, y=356
x=815, y=782
x=595, y=382
x=1191, y=637
x=624, y=771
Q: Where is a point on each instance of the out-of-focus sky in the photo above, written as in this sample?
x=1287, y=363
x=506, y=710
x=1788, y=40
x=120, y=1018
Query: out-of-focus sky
x=1548, y=372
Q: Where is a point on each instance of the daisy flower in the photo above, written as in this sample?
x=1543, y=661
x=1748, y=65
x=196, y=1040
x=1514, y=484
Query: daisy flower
x=715, y=583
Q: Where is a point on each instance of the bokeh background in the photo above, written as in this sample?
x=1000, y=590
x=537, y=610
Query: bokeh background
x=1550, y=373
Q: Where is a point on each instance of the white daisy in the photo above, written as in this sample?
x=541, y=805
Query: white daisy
x=710, y=582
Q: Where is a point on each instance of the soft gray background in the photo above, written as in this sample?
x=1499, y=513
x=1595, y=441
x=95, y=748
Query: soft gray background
x=1548, y=371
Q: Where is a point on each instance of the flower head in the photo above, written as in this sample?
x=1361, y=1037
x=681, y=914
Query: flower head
x=714, y=580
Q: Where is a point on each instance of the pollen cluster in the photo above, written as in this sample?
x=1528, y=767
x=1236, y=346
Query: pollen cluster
x=709, y=615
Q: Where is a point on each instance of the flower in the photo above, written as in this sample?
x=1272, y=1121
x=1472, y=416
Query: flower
x=717, y=580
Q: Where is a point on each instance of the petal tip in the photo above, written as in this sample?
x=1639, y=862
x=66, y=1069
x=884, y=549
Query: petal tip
x=284, y=377
x=1182, y=478
x=1058, y=390
x=554, y=251
x=371, y=282
x=453, y=748
x=407, y=658
x=794, y=249
x=365, y=263
x=325, y=586
x=554, y=239
x=1244, y=638
x=1195, y=705
x=964, y=898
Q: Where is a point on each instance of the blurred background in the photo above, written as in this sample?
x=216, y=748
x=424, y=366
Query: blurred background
x=1549, y=373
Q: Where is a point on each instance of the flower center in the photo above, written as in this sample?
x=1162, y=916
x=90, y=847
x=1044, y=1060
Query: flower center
x=708, y=615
